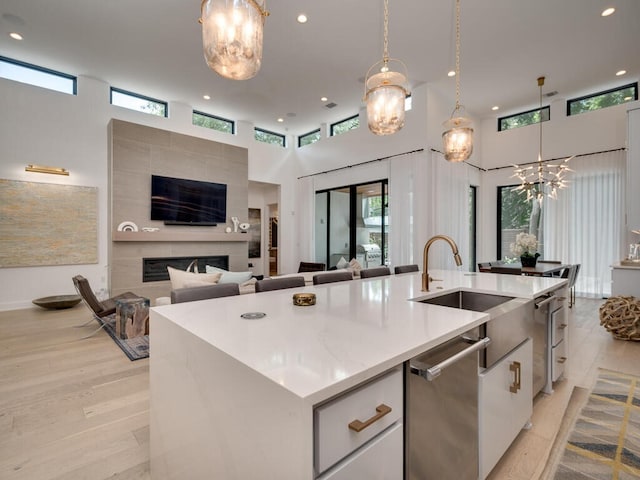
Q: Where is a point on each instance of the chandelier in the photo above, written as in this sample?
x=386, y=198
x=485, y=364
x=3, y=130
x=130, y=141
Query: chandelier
x=386, y=91
x=542, y=178
x=232, y=36
x=458, y=135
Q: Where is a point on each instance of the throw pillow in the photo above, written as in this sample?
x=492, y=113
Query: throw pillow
x=342, y=263
x=355, y=265
x=182, y=279
x=230, y=277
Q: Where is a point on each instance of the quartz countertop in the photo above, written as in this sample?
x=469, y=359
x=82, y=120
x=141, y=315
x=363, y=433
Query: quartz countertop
x=356, y=330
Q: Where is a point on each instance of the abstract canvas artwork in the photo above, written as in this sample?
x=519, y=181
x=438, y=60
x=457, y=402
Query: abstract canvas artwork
x=47, y=224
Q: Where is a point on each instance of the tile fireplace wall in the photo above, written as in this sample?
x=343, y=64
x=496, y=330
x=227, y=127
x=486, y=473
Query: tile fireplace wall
x=136, y=153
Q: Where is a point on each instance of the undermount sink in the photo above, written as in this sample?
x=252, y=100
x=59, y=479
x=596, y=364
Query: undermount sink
x=477, y=302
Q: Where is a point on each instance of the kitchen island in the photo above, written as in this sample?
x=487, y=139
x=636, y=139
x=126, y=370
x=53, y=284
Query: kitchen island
x=234, y=398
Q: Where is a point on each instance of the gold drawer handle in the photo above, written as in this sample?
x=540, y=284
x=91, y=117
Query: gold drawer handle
x=381, y=410
x=515, y=367
x=562, y=359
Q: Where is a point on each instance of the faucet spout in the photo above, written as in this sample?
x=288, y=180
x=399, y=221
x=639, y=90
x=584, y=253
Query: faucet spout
x=425, y=258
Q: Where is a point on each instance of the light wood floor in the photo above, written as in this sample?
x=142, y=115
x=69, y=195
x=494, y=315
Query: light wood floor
x=79, y=409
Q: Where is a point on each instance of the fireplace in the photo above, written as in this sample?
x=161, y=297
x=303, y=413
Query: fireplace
x=155, y=269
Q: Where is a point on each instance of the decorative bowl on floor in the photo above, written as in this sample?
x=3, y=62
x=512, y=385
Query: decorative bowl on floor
x=58, y=301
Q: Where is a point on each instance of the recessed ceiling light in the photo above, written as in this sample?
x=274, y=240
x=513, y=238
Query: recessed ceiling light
x=302, y=18
x=452, y=73
x=608, y=11
x=206, y=97
x=15, y=36
x=280, y=120
x=495, y=107
x=324, y=99
x=621, y=72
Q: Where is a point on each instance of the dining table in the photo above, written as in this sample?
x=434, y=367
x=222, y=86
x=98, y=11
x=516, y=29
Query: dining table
x=541, y=269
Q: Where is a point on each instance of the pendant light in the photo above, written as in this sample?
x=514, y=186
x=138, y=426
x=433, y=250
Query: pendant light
x=232, y=33
x=458, y=136
x=543, y=178
x=386, y=91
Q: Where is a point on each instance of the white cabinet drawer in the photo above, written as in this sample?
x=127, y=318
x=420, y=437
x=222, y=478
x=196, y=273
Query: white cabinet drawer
x=558, y=326
x=504, y=408
x=333, y=437
x=380, y=459
x=558, y=360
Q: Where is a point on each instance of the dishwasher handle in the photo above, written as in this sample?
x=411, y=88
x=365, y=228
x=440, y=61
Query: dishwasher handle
x=432, y=373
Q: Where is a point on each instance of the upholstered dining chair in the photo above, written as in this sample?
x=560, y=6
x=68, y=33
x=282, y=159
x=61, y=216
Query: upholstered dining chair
x=204, y=292
x=269, y=284
x=335, y=276
x=374, y=272
x=99, y=308
x=406, y=268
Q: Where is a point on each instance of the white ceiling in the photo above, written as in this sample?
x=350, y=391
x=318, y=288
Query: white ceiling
x=153, y=47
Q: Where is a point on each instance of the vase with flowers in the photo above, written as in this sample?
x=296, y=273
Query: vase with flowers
x=525, y=247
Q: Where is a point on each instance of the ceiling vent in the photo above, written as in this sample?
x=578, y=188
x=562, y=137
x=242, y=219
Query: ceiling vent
x=331, y=105
x=551, y=94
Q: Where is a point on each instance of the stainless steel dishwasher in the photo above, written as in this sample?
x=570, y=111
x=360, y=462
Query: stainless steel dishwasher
x=442, y=410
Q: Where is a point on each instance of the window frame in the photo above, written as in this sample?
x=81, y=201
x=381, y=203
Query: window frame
x=283, y=144
x=214, y=117
x=313, y=132
x=44, y=70
x=344, y=120
x=571, y=101
x=140, y=97
x=540, y=109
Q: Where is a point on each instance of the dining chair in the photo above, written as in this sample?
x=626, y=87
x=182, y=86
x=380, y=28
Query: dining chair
x=406, y=268
x=374, y=272
x=204, y=292
x=337, y=276
x=269, y=284
x=310, y=267
x=571, y=273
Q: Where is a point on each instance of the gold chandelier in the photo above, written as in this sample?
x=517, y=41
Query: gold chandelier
x=543, y=178
x=386, y=91
x=232, y=32
x=457, y=138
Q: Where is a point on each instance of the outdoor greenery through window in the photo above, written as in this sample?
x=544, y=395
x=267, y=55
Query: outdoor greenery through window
x=309, y=138
x=345, y=125
x=266, y=136
x=140, y=103
x=215, y=123
x=530, y=117
x=37, y=76
x=516, y=215
x=608, y=98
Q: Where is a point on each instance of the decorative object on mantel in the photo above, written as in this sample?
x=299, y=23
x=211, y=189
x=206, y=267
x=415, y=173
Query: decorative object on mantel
x=228, y=229
x=386, y=91
x=525, y=247
x=543, y=178
x=458, y=136
x=244, y=227
x=620, y=316
x=232, y=36
x=236, y=223
x=127, y=226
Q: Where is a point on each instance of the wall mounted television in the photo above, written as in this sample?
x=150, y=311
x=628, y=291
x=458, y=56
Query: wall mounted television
x=178, y=201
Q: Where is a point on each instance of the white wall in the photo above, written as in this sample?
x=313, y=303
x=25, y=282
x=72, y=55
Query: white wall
x=50, y=128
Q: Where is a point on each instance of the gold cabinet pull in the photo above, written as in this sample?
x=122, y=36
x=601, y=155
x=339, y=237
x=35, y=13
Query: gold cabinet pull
x=515, y=367
x=381, y=411
x=562, y=359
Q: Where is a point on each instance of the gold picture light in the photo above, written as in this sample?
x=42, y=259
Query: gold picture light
x=45, y=169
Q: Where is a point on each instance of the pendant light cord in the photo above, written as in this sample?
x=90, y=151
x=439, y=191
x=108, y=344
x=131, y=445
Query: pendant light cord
x=385, y=45
x=457, y=55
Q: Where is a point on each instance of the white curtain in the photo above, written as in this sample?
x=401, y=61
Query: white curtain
x=449, y=201
x=585, y=224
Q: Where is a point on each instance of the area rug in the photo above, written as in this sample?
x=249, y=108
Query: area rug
x=134, y=348
x=605, y=440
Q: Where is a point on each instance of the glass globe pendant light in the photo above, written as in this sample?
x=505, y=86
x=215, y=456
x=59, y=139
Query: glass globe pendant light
x=385, y=91
x=458, y=135
x=232, y=32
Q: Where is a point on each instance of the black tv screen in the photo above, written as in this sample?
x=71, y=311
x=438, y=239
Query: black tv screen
x=178, y=201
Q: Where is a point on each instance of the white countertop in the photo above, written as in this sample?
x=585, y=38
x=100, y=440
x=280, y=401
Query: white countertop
x=356, y=330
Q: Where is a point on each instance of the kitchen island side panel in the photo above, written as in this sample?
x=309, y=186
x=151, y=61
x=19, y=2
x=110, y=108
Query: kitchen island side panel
x=213, y=417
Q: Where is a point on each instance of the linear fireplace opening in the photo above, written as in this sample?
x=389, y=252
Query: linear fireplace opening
x=155, y=269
